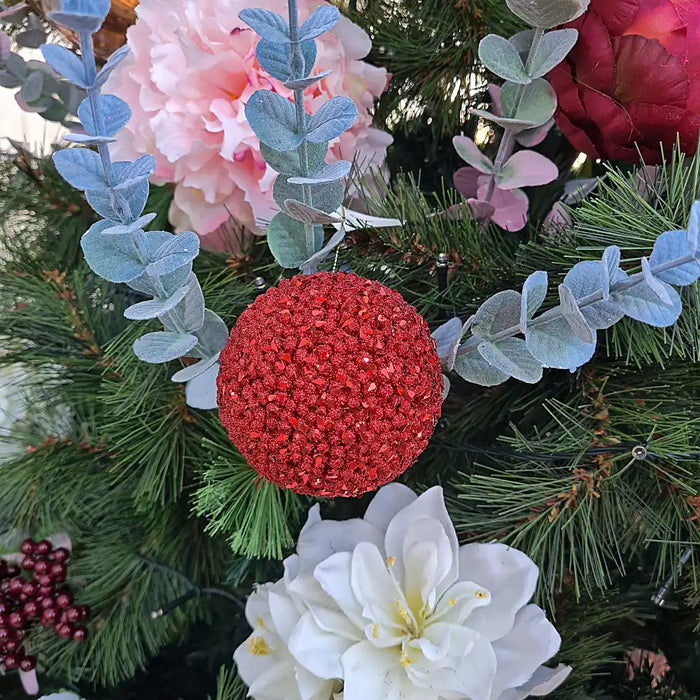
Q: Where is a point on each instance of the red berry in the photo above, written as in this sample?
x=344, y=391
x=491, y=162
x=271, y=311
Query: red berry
x=27, y=546
x=3, y=608
x=27, y=663
x=13, y=570
x=58, y=572
x=20, y=634
x=46, y=590
x=11, y=644
x=64, y=599
x=16, y=585
x=4, y=586
x=30, y=589
x=3, y=621
x=28, y=563
x=48, y=602
x=41, y=567
x=63, y=629
x=84, y=612
x=16, y=619
x=43, y=547
x=80, y=634
x=31, y=608
x=11, y=662
x=61, y=555
x=44, y=581
x=5, y=633
x=49, y=616
x=73, y=614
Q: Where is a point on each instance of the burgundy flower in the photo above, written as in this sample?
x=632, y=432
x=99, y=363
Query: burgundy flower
x=632, y=80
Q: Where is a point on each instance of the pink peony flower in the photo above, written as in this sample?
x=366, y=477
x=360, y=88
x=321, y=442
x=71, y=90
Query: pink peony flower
x=191, y=70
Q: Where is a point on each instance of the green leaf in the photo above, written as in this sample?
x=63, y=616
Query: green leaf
x=502, y=58
x=287, y=240
x=551, y=51
x=537, y=104
x=545, y=14
x=472, y=367
x=512, y=357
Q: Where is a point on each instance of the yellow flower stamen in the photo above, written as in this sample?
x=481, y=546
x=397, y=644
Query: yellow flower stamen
x=259, y=622
x=257, y=646
x=390, y=561
x=405, y=660
x=452, y=601
x=403, y=612
x=480, y=595
x=375, y=632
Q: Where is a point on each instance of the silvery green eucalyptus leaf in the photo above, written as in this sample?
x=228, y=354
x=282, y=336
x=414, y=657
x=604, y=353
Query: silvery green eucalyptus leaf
x=306, y=214
x=670, y=246
x=474, y=368
x=275, y=58
x=321, y=20
x=304, y=83
x=163, y=346
x=311, y=265
x=288, y=163
x=332, y=119
x=192, y=371
x=80, y=168
x=328, y=172
x=551, y=50
x=153, y=308
x=273, y=120
x=574, y=316
x=502, y=58
x=512, y=357
x=286, y=238
x=114, y=112
x=66, y=63
x=327, y=196
x=268, y=25
x=497, y=314
x=533, y=104
x=212, y=336
x=81, y=15
x=545, y=14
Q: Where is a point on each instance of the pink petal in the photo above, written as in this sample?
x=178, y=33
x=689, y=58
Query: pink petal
x=526, y=169
x=465, y=181
x=510, y=207
x=533, y=137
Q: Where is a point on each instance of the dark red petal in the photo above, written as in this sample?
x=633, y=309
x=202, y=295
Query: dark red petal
x=592, y=57
x=615, y=14
x=576, y=136
x=568, y=92
x=661, y=124
x=646, y=72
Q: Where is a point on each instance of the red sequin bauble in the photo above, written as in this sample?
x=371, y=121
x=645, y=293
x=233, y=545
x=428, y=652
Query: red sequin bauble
x=330, y=384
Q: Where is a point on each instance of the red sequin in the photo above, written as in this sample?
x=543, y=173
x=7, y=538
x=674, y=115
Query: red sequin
x=356, y=396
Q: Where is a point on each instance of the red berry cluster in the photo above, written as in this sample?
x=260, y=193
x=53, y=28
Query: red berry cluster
x=330, y=384
x=23, y=602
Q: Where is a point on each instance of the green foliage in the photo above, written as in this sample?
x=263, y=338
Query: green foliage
x=430, y=48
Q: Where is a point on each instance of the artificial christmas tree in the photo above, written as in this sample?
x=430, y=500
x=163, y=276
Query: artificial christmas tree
x=591, y=473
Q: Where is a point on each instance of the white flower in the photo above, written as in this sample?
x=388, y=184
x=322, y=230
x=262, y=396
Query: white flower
x=13, y=405
x=392, y=606
x=264, y=661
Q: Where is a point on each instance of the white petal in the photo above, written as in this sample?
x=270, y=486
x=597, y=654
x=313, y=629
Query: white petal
x=264, y=671
x=313, y=688
x=321, y=539
x=257, y=607
x=427, y=561
x=508, y=574
x=458, y=602
x=532, y=641
x=428, y=506
x=467, y=669
x=388, y=501
x=284, y=615
x=544, y=680
x=382, y=601
x=333, y=575
x=376, y=674
x=318, y=651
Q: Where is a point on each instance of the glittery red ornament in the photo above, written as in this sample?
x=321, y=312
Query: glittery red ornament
x=330, y=384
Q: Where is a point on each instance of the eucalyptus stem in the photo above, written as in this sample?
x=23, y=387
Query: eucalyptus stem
x=300, y=112
x=588, y=300
x=507, y=145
